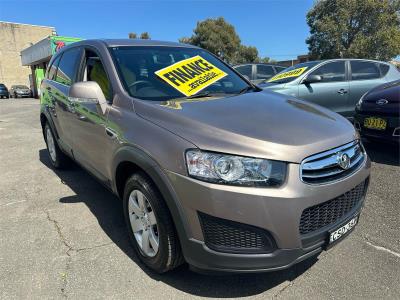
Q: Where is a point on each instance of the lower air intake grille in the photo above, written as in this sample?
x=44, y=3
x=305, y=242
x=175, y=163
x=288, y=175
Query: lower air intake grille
x=329, y=212
x=228, y=236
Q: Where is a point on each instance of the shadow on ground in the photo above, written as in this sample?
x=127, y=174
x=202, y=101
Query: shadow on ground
x=383, y=153
x=108, y=211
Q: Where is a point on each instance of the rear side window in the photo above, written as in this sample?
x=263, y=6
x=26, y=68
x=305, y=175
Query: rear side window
x=265, y=72
x=384, y=69
x=331, y=72
x=362, y=70
x=67, y=67
x=245, y=70
x=53, y=69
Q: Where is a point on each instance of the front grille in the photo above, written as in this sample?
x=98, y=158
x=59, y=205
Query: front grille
x=233, y=237
x=329, y=212
x=324, y=167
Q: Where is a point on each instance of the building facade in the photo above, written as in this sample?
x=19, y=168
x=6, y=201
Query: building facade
x=291, y=62
x=15, y=37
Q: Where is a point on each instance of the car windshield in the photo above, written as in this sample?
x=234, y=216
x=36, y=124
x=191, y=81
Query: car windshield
x=138, y=65
x=291, y=73
x=21, y=87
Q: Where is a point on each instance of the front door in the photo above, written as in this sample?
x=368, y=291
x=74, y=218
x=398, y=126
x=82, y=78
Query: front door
x=92, y=144
x=332, y=91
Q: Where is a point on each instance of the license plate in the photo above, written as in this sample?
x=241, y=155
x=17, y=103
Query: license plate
x=375, y=123
x=343, y=230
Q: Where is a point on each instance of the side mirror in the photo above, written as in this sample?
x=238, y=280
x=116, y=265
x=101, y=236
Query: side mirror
x=88, y=91
x=312, y=79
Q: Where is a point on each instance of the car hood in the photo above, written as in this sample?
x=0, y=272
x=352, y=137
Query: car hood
x=266, y=125
x=384, y=98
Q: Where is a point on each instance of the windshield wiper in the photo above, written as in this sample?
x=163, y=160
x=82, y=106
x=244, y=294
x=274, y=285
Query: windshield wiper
x=246, y=89
x=199, y=95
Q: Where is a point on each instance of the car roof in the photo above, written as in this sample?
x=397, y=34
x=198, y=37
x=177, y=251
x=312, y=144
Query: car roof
x=264, y=64
x=133, y=42
x=356, y=59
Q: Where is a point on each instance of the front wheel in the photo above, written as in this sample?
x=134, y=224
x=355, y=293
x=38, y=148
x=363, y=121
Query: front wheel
x=150, y=226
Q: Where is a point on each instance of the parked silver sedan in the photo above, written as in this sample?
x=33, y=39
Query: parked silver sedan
x=337, y=84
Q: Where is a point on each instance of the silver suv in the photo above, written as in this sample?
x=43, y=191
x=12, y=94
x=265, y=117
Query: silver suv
x=210, y=170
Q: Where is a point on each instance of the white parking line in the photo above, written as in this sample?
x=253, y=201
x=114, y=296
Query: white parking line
x=383, y=249
x=11, y=203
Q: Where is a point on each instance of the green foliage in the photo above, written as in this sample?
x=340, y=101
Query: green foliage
x=220, y=38
x=354, y=28
x=143, y=35
x=246, y=54
x=266, y=60
x=132, y=35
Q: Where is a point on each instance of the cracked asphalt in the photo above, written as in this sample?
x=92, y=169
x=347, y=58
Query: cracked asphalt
x=62, y=235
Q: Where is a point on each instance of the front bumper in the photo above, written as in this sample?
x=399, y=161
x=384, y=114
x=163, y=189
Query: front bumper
x=390, y=134
x=23, y=95
x=277, y=211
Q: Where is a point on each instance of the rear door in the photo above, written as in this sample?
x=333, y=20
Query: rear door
x=364, y=75
x=332, y=91
x=64, y=110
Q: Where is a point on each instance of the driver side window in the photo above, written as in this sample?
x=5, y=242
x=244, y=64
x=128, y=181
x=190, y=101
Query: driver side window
x=331, y=72
x=94, y=71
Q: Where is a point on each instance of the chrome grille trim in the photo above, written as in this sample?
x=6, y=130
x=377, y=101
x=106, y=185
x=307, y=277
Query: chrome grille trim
x=322, y=168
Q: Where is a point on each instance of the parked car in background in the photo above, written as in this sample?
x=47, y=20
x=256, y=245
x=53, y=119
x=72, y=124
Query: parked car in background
x=20, y=91
x=337, y=84
x=258, y=72
x=194, y=153
x=4, y=91
x=378, y=113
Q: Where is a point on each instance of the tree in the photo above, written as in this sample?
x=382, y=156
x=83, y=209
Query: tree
x=246, y=54
x=354, y=28
x=220, y=38
x=145, y=36
x=266, y=59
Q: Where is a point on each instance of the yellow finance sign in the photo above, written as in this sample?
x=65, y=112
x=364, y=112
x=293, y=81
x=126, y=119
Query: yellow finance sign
x=293, y=73
x=190, y=76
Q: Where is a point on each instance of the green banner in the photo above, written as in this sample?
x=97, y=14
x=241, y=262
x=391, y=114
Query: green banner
x=57, y=42
x=39, y=75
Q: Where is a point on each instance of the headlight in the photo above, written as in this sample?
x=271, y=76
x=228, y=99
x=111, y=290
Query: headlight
x=358, y=105
x=235, y=170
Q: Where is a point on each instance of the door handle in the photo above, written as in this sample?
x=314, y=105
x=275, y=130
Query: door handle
x=342, y=91
x=111, y=133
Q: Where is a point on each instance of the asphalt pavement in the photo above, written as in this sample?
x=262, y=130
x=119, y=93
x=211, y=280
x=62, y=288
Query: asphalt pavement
x=62, y=235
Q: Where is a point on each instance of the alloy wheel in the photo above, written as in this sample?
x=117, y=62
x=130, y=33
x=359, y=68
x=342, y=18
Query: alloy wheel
x=143, y=223
x=51, y=145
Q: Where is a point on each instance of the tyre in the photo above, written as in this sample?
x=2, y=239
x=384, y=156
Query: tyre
x=57, y=158
x=150, y=226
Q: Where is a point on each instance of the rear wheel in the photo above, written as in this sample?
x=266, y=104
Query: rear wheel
x=150, y=226
x=57, y=158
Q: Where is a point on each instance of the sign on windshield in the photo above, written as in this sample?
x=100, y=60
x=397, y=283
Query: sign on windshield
x=293, y=73
x=191, y=75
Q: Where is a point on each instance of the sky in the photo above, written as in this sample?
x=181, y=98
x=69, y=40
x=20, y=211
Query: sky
x=276, y=27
